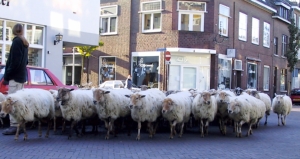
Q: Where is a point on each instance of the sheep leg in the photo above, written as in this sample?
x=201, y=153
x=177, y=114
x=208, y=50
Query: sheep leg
x=171, y=130
x=283, y=119
x=155, y=128
x=48, y=129
x=54, y=124
x=221, y=126
x=174, y=127
x=139, y=131
x=181, y=129
x=278, y=115
x=150, y=126
x=83, y=127
x=234, y=126
x=1, y=120
x=73, y=126
x=201, y=128
x=108, y=130
x=112, y=127
x=40, y=129
x=249, y=130
x=17, y=132
x=206, y=127
x=24, y=129
x=224, y=126
x=240, y=128
x=266, y=118
x=63, y=126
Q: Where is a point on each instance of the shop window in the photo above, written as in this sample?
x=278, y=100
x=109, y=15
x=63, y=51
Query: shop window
x=266, y=78
x=107, y=65
x=252, y=75
x=224, y=14
x=35, y=57
x=9, y=26
x=151, y=16
x=191, y=15
x=242, y=26
x=145, y=70
x=283, y=80
x=276, y=45
x=1, y=30
x=39, y=77
x=284, y=45
x=35, y=34
x=108, y=19
x=255, y=31
x=1, y=53
x=224, y=70
x=266, y=42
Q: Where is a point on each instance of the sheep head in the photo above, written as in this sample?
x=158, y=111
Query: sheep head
x=99, y=95
x=7, y=106
x=234, y=106
x=135, y=100
x=167, y=105
x=222, y=97
x=205, y=96
x=64, y=95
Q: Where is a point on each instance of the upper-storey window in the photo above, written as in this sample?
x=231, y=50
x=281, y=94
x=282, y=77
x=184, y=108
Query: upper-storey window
x=283, y=12
x=255, y=31
x=191, y=15
x=151, y=16
x=108, y=19
x=224, y=14
x=266, y=42
x=242, y=26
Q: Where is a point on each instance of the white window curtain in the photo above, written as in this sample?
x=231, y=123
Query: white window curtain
x=266, y=41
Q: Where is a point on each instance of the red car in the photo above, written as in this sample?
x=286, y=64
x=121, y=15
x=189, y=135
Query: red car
x=295, y=95
x=37, y=77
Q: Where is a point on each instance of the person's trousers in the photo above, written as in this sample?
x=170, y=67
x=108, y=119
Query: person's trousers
x=13, y=87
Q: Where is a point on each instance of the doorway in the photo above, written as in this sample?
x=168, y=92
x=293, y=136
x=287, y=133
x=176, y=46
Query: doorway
x=77, y=75
x=275, y=81
x=239, y=79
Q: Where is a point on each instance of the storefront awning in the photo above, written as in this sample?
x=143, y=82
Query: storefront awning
x=192, y=50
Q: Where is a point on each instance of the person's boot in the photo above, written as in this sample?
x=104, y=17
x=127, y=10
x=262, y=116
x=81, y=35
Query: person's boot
x=11, y=131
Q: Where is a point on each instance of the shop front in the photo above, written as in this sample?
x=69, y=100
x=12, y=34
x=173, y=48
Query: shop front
x=224, y=72
x=107, y=66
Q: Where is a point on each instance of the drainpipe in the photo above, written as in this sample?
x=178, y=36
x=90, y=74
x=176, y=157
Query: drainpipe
x=234, y=72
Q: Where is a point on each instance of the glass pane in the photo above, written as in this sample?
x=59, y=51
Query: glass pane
x=77, y=75
x=34, y=57
x=266, y=41
x=48, y=80
x=255, y=31
x=195, y=6
x=156, y=22
x=29, y=32
x=147, y=21
x=174, y=78
x=196, y=22
x=223, y=25
x=224, y=73
x=204, y=78
x=38, y=35
x=37, y=77
x=7, y=49
x=68, y=75
x=151, y=6
x=104, y=25
x=266, y=78
x=185, y=18
x=189, y=77
x=9, y=27
x=107, y=68
x=252, y=76
x=0, y=54
x=113, y=21
x=145, y=71
x=1, y=29
x=109, y=10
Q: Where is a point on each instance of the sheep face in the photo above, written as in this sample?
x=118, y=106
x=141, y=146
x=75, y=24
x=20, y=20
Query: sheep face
x=167, y=105
x=255, y=94
x=7, y=107
x=222, y=97
x=238, y=91
x=279, y=99
x=98, y=95
x=135, y=100
x=233, y=107
x=64, y=95
x=205, y=96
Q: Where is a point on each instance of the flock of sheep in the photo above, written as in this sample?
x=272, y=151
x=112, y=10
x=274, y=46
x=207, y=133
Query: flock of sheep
x=147, y=105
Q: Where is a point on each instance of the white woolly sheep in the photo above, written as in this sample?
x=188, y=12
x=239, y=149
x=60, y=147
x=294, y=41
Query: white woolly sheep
x=58, y=112
x=29, y=105
x=177, y=109
x=204, y=108
x=224, y=97
x=111, y=105
x=146, y=106
x=2, y=98
x=76, y=105
x=282, y=106
x=266, y=99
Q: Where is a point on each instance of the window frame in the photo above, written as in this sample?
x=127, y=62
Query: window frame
x=191, y=13
x=256, y=72
x=244, y=29
x=268, y=67
x=255, y=28
x=109, y=20
x=32, y=82
x=284, y=45
x=275, y=46
x=283, y=72
x=151, y=12
x=226, y=17
x=269, y=35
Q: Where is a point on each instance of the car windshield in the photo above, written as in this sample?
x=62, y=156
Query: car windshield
x=2, y=70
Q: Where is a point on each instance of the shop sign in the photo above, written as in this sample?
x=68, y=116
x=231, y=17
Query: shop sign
x=5, y=2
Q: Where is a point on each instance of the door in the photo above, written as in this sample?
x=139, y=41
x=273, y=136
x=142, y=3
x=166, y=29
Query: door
x=238, y=79
x=275, y=81
x=174, y=77
x=204, y=78
x=68, y=75
x=189, y=78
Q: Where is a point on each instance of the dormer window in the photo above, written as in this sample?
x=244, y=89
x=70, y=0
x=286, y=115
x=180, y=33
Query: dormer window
x=283, y=12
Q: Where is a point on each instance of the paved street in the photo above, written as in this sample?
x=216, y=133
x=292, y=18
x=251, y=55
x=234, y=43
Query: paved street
x=267, y=142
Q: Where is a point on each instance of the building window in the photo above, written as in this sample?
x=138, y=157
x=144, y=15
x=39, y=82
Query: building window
x=284, y=45
x=224, y=73
x=9, y=33
x=252, y=75
x=283, y=80
x=151, y=16
x=107, y=65
x=266, y=78
x=35, y=34
x=191, y=15
x=242, y=26
x=276, y=45
x=283, y=12
x=255, y=31
x=224, y=14
x=108, y=19
x=1, y=29
x=295, y=19
x=266, y=41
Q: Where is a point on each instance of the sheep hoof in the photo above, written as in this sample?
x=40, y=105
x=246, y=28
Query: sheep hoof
x=278, y=124
x=25, y=138
x=106, y=137
x=171, y=137
x=46, y=136
x=150, y=136
x=69, y=137
x=265, y=123
x=138, y=138
x=283, y=123
x=16, y=138
x=180, y=136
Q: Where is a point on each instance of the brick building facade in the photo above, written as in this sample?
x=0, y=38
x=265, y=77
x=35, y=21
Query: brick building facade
x=213, y=43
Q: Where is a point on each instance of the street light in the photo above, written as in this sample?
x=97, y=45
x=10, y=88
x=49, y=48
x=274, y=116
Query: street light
x=58, y=38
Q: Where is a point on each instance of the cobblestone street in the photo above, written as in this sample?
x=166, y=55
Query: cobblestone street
x=268, y=141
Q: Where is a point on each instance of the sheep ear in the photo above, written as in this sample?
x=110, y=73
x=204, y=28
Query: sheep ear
x=142, y=96
x=106, y=92
x=275, y=94
x=128, y=96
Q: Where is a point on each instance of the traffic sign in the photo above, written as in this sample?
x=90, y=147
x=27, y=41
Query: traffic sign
x=167, y=56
